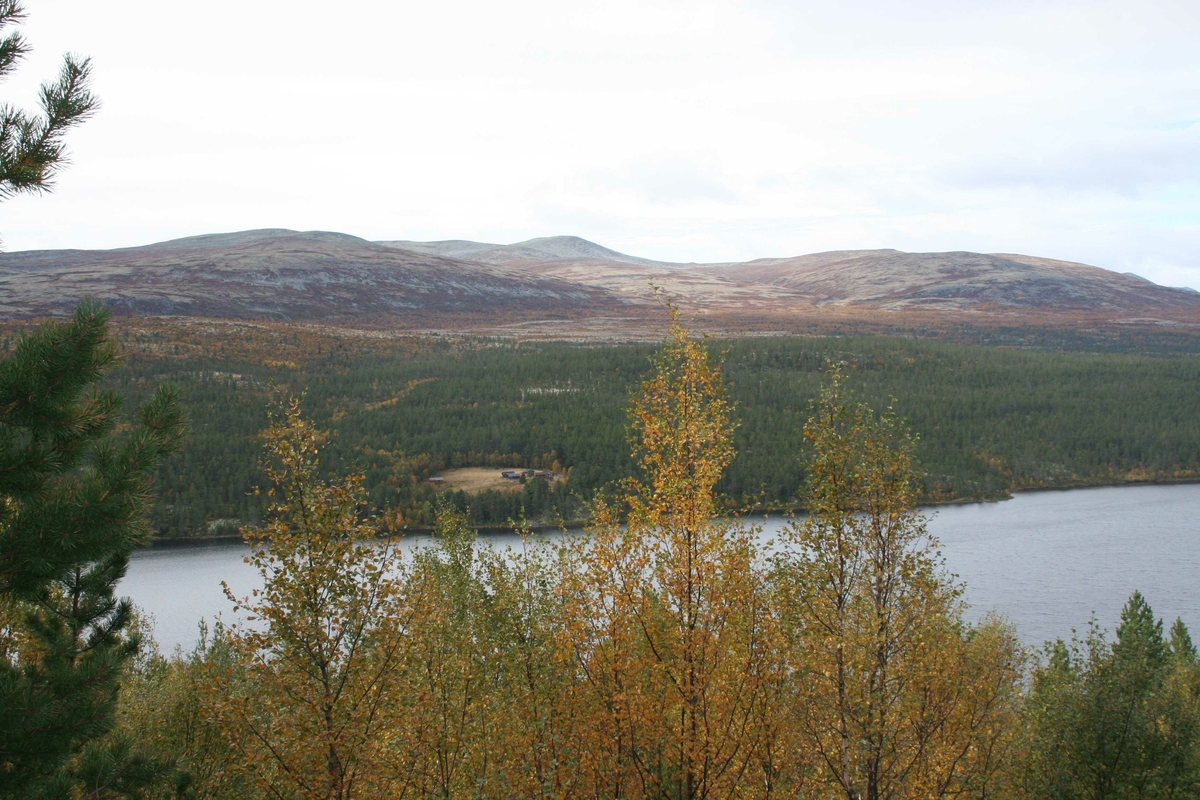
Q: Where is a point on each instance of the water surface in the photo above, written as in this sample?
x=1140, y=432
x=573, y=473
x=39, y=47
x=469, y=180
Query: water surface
x=1045, y=560
x=1048, y=560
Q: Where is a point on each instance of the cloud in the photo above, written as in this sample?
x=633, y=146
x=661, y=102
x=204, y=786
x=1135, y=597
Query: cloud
x=1135, y=162
x=700, y=130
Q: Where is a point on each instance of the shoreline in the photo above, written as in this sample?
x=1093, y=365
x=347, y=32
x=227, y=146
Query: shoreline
x=573, y=525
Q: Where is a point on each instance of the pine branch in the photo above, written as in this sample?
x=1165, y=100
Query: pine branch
x=12, y=47
x=31, y=147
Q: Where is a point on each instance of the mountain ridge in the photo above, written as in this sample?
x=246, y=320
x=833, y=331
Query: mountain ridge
x=281, y=274
x=543, y=248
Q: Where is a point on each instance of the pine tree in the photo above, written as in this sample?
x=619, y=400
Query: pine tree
x=31, y=145
x=72, y=497
x=73, y=502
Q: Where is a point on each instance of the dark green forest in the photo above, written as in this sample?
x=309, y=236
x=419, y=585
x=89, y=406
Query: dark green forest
x=989, y=420
x=506, y=657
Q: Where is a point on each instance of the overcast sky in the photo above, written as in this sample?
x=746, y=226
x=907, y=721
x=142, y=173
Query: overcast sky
x=690, y=130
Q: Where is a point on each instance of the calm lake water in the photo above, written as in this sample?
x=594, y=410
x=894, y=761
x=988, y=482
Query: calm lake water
x=1046, y=560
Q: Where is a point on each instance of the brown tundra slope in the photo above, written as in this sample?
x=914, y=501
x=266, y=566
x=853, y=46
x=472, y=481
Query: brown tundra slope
x=283, y=275
x=567, y=286
x=959, y=281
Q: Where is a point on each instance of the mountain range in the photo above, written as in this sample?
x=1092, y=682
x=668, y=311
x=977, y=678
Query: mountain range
x=564, y=283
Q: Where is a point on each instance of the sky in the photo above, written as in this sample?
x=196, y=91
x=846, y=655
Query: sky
x=697, y=130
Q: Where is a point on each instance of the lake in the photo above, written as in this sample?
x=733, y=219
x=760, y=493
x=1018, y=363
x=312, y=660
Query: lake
x=1046, y=560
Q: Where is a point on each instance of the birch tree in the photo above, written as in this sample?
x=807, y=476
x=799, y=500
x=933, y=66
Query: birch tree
x=666, y=604
x=898, y=698
x=323, y=638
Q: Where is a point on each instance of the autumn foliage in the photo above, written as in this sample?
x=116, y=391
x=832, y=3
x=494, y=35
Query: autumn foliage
x=899, y=698
x=319, y=653
x=666, y=652
x=665, y=605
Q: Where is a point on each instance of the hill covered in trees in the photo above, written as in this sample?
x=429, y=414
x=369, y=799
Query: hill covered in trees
x=401, y=409
x=662, y=653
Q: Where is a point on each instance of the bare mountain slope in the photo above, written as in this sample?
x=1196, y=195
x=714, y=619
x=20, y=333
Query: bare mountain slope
x=956, y=281
x=531, y=251
x=279, y=274
x=458, y=285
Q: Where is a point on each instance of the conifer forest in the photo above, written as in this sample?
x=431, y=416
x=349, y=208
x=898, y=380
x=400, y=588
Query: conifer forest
x=988, y=420
x=662, y=651
x=657, y=646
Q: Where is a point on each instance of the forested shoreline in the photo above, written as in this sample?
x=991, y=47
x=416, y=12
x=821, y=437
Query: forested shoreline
x=989, y=420
x=663, y=652
x=668, y=651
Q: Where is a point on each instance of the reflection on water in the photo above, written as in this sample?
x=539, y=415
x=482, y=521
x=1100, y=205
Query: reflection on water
x=1046, y=560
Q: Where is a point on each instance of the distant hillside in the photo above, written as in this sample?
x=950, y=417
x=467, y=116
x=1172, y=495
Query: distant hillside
x=565, y=286
x=957, y=281
x=548, y=248
x=278, y=274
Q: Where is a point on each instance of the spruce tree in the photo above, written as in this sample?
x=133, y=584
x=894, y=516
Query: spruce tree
x=73, y=502
x=1119, y=720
